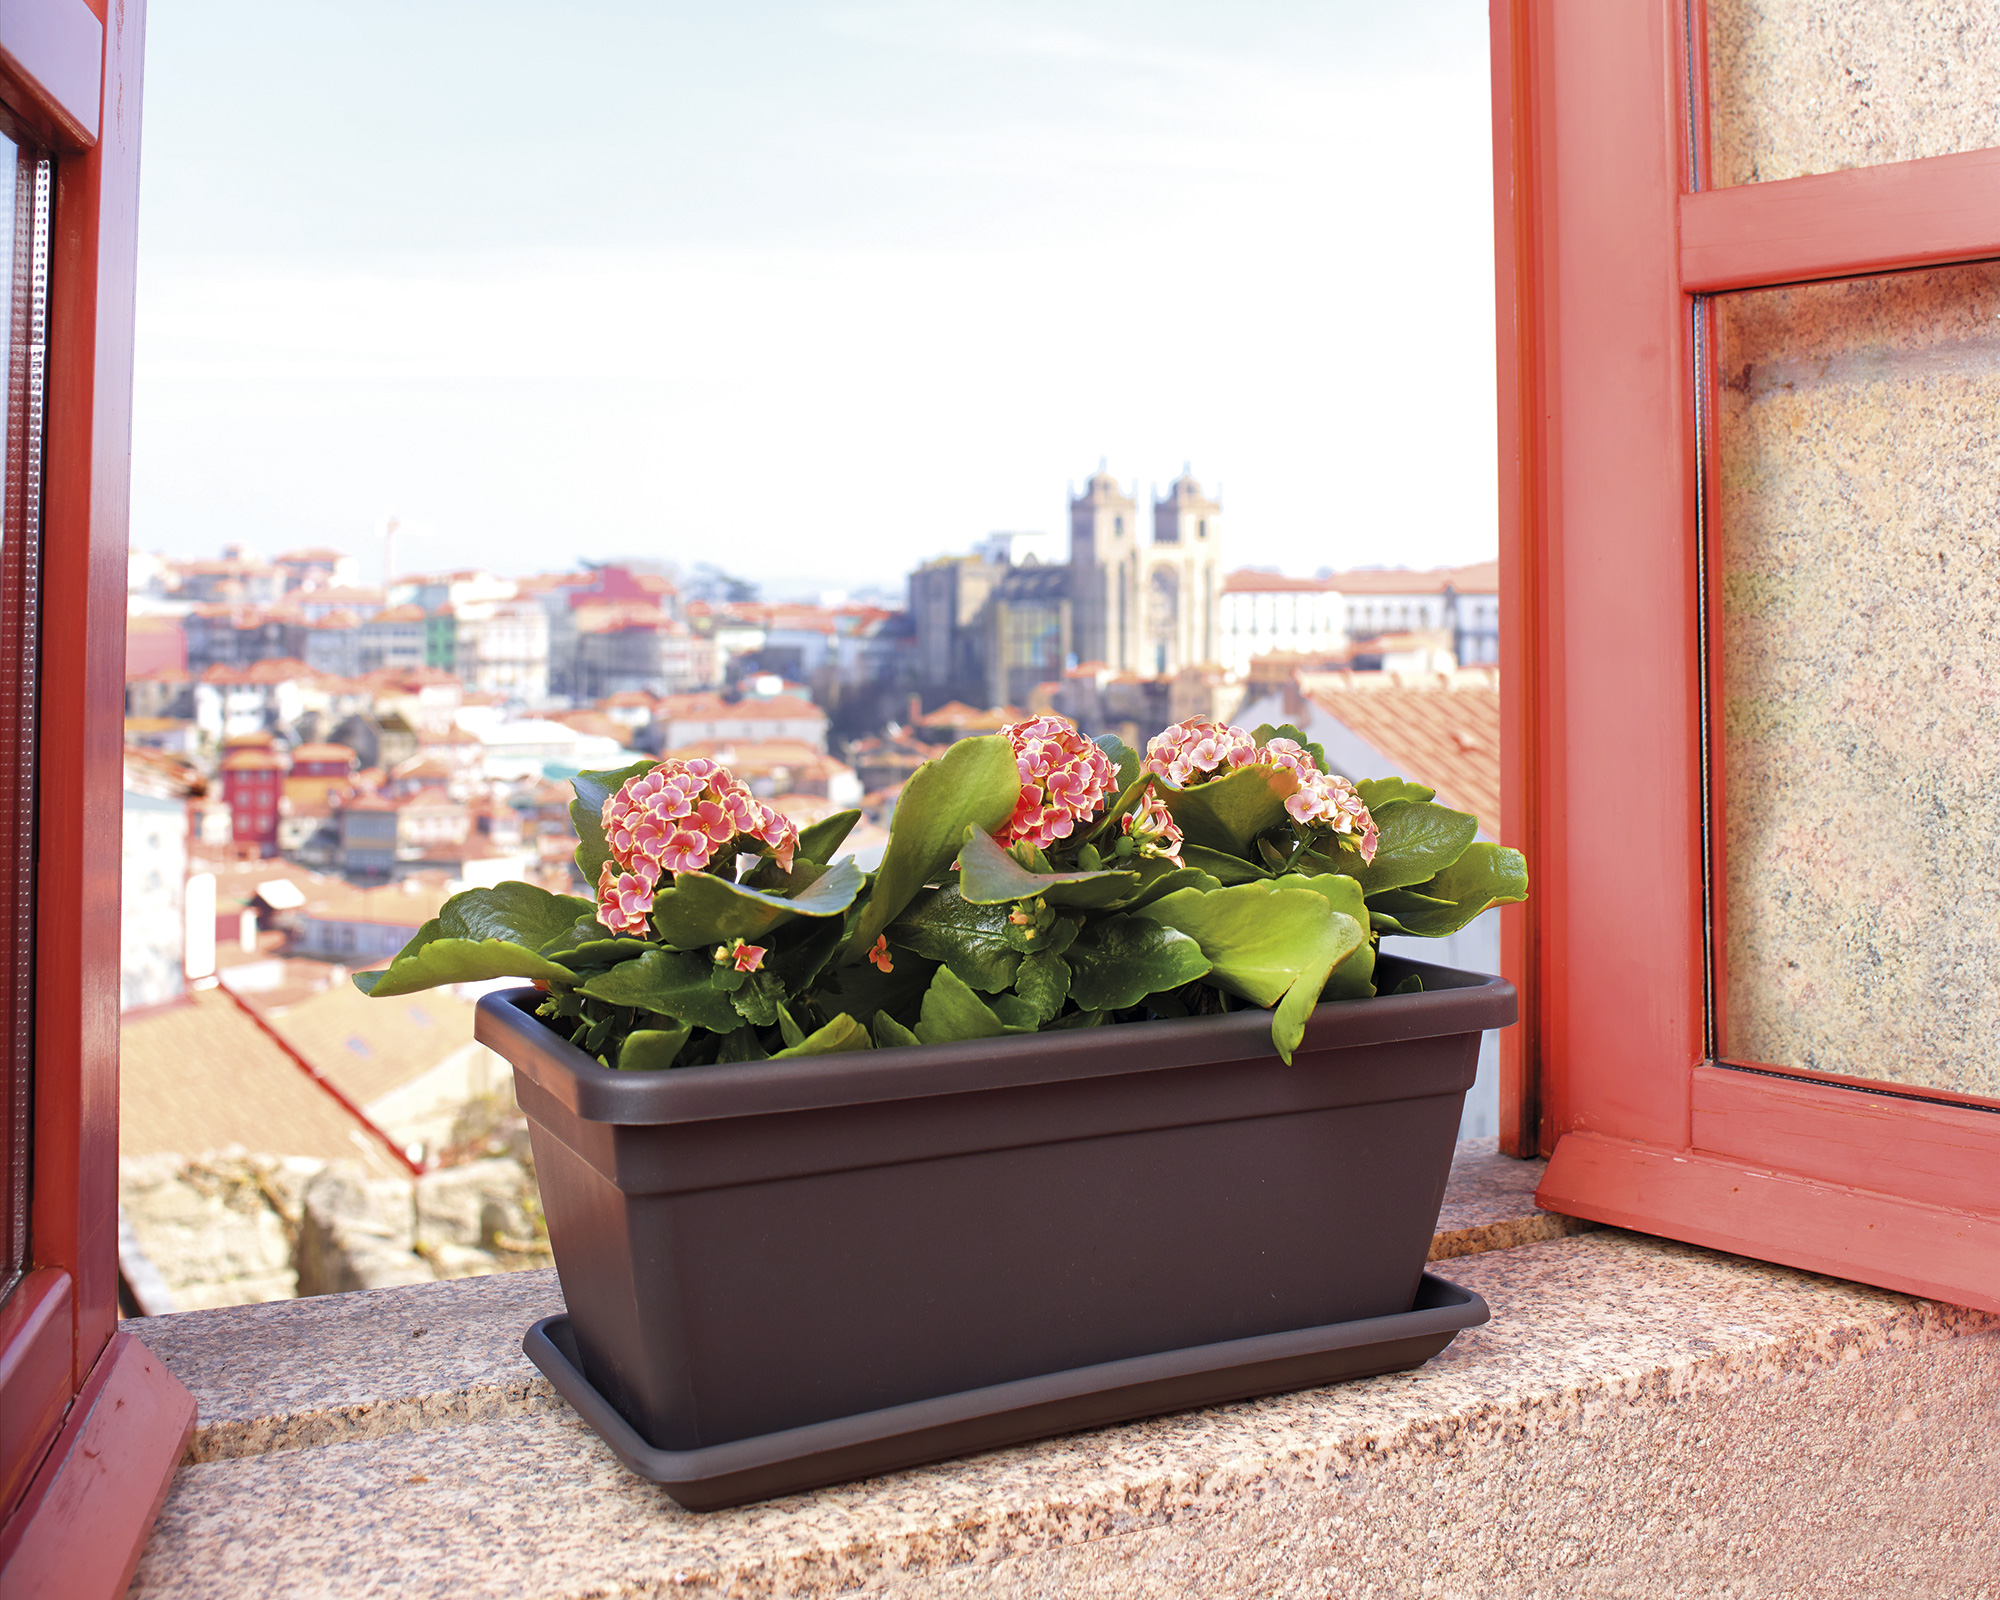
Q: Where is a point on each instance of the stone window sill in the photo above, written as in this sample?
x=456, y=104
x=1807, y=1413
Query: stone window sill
x=1645, y=1417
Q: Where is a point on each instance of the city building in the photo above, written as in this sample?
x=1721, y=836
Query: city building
x=1145, y=606
x=1266, y=613
x=1462, y=602
x=253, y=774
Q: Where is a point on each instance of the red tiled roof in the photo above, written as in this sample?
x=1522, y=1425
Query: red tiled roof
x=200, y=1075
x=1247, y=580
x=1442, y=729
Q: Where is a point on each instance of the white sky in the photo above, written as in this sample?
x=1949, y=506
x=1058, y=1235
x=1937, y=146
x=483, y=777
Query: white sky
x=812, y=290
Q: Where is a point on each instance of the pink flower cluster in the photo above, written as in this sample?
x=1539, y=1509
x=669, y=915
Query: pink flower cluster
x=1200, y=747
x=1152, y=829
x=675, y=818
x=1065, y=779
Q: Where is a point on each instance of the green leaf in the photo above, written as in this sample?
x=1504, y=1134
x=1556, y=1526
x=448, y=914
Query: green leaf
x=864, y=990
x=1157, y=878
x=1379, y=792
x=586, y=814
x=841, y=1034
x=1123, y=757
x=702, y=909
x=1228, y=813
x=1118, y=960
x=1337, y=941
x=972, y=940
x=1020, y=1015
x=760, y=1001
x=518, y=912
x=823, y=838
x=430, y=959
x=1354, y=976
x=1265, y=733
x=651, y=1049
x=742, y=1045
x=891, y=1034
x=1413, y=984
x=1259, y=936
x=1225, y=866
x=1486, y=875
x=802, y=952
x=973, y=784
x=952, y=1011
x=1043, y=982
x=989, y=876
x=595, y=954
x=1419, y=840
x=1078, y=1019
x=669, y=983
x=789, y=1029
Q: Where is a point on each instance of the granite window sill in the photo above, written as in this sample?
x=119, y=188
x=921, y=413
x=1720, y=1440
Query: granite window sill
x=395, y=1442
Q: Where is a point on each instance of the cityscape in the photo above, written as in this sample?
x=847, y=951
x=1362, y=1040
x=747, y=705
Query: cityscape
x=314, y=765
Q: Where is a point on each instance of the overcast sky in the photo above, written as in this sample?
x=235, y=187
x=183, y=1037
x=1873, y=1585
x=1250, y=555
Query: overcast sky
x=811, y=290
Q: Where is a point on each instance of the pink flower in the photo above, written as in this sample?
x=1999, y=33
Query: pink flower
x=744, y=957
x=678, y=816
x=1200, y=748
x=1152, y=829
x=1065, y=780
x=1195, y=749
x=880, y=954
x=686, y=851
x=624, y=900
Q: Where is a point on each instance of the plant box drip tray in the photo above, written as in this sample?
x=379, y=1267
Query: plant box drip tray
x=845, y=1448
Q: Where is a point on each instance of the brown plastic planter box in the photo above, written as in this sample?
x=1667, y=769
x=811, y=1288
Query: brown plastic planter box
x=761, y=1250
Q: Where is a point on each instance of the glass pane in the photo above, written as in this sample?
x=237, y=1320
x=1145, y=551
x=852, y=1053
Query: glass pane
x=1857, y=551
x=23, y=330
x=1798, y=86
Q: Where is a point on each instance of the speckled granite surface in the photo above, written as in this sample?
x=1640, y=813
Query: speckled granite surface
x=1639, y=1418
x=1857, y=546
x=1800, y=86
x=441, y=1355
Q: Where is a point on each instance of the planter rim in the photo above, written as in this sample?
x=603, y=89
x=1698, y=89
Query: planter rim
x=1452, y=1002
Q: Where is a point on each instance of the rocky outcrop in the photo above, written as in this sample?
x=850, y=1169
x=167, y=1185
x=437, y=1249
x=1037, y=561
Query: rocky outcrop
x=217, y=1231
x=357, y=1232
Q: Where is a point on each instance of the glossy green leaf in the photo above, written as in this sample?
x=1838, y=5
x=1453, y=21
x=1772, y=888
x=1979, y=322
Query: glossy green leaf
x=1354, y=976
x=759, y=1001
x=1158, y=877
x=1018, y=1014
x=593, y=951
x=1228, y=813
x=841, y=1034
x=952, y=1011
x=742, y=1045
x=823, y=838
x=1123, y=757
x=974, y=941
x=802, y=951
x=1043, y=982
x=702, y=909
x=973, y=784
x=1412, y=984
x=1486, y=875
x=990, y=876
x=891, y=1034
x=1376, y=793
x=1118, y=960
x=1258, y=936
x=586, y=814
x=519, y=912
x=671, y=983
x=1335, y=943
x=864, y=990
x=430, y=959
x=1225, y=866
x=1419, y=840
x=651, y=1049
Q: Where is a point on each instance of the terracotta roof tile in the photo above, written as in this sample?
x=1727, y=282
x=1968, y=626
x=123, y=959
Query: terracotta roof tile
x=368, y=1046
x=1439, y=729
x=200, y=1075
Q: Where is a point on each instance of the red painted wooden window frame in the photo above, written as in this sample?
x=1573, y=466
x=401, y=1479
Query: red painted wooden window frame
x=91, y=1425
x=1605, y=241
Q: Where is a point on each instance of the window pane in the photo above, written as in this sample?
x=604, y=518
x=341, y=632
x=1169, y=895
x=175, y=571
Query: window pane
x=1798, y=86
x=1857, y=551
x=24, y=248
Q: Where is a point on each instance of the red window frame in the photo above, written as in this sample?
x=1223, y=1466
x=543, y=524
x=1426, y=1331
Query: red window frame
x=1606, y=240
x=93, y=1425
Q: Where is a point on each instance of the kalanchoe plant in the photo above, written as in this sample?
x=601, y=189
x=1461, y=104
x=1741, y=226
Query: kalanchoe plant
x=1033, y=879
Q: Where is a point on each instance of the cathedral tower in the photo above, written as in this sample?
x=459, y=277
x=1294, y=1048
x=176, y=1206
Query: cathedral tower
x=1103, y=551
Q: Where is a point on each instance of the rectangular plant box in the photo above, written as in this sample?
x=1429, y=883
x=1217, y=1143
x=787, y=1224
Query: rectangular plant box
x=753, y=1248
